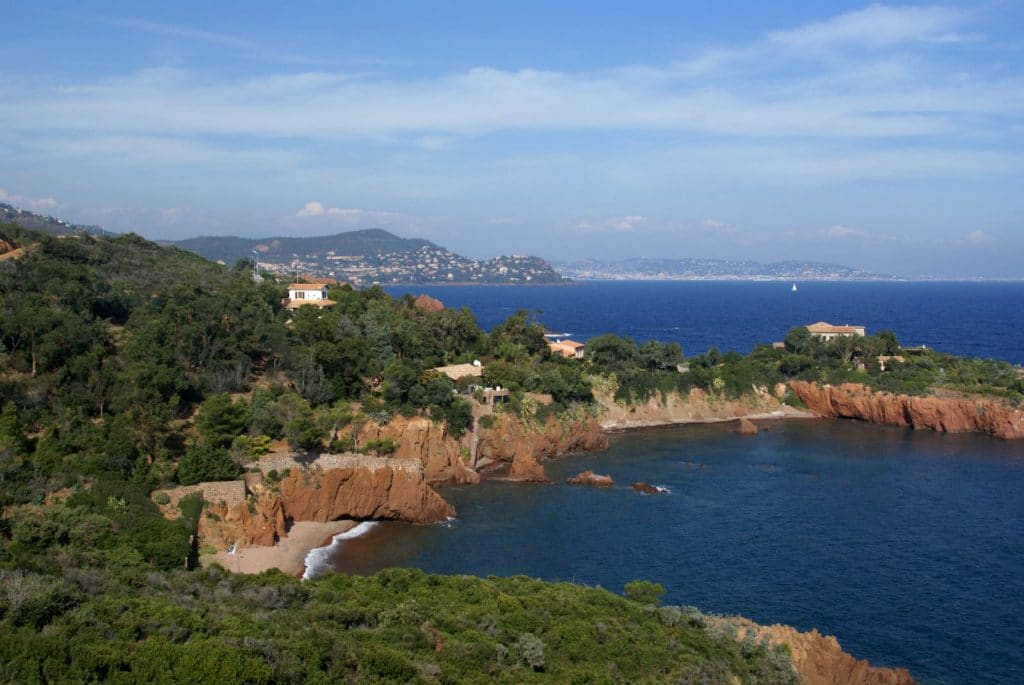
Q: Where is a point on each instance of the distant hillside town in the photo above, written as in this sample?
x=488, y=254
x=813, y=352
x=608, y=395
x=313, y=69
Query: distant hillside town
x=374, y=256
x=693, y=269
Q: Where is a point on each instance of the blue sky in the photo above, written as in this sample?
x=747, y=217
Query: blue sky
x=884, y=136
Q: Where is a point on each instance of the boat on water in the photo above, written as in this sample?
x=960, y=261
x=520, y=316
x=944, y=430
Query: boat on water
x=793, y=289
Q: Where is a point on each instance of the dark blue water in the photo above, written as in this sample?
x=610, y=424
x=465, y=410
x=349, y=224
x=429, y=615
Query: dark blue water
x=907, y=546
x=972, y=319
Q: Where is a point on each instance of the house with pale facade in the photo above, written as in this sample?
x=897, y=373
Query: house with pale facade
x=570, y=349
x=302, y=294
x=826, y=331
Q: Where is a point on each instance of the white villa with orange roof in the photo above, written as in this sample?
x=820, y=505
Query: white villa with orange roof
x=826, y=331
x=301, y=294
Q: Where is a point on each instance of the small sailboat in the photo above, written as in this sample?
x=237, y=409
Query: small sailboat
x=793, y=289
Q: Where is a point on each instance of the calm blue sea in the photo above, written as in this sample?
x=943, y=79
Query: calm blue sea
x=908, y=546
x=974, y=319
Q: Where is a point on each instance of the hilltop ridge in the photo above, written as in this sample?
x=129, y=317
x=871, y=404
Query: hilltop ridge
x=373, y=256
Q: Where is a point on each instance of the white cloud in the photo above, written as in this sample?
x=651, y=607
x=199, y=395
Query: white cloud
x=842, y=232
x=877, y=25
x=313, y=208
x=36, y=204
x=978, y=238
x=630, y=223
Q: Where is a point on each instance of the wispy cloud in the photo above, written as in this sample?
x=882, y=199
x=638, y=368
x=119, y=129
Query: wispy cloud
x=879, y=25
x=878, y=89
x=316, y=209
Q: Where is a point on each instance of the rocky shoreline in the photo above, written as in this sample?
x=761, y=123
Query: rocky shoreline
x=318, y=492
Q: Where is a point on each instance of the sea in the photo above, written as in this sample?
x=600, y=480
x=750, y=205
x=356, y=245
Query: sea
x=908, y=546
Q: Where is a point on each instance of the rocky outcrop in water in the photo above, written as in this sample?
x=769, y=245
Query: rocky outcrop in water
x=820, y=660
x=648, y=489
x=591, y=478
x=523, y=444
x=746, y=427
x=947, y=414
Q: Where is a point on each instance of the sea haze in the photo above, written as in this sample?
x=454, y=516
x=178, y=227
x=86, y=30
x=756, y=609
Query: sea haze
x=973, y=319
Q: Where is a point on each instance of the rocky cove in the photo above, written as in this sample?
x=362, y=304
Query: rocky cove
x=400, y=487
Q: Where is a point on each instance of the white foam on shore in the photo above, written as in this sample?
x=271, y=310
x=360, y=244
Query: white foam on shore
x=318, y=560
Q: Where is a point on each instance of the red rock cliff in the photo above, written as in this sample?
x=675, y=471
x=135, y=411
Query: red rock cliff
x=522, y=444
x=390, y=490
x=948, y=414
x=821, y=661
x=428, y=442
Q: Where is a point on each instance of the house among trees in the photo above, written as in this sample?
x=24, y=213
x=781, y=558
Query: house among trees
x=826, y=331
x=301, y=294
x=570, y=349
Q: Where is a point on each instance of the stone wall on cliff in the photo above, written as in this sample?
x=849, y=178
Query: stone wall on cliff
x=947, y=414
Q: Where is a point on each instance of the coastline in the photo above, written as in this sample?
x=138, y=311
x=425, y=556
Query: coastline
x=785, y=414
x=289, y=554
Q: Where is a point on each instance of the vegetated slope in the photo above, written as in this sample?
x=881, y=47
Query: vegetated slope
x=400, y=626
x=44, y=223
x=356, y=243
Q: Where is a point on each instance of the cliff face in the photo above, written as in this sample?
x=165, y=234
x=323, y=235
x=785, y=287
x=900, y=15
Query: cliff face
x=223, y=524
x=357, y=487
x=522, y=445
x=388, y=490
x=429, y=443
x=947, y=414
x=820, y=659
x=696, y=406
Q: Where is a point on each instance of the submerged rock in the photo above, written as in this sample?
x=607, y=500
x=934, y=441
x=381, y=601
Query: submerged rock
x=746, y=427
x=591, y=478
x=648, y=489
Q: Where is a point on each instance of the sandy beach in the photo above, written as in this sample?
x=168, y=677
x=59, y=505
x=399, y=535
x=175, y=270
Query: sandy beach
x=288, y=554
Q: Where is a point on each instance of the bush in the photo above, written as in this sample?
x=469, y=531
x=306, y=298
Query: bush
x=531, y=651
x=206, y=463
x=644, y=592
x=162, y=498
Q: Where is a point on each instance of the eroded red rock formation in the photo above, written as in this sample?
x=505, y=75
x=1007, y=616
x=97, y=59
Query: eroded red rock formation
x=947, y=414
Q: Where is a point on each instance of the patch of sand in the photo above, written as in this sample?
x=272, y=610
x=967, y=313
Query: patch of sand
x=289, y=554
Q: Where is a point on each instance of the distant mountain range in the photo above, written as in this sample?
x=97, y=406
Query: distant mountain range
x=690, y=269
x=377, y=256
x=372, y=256
x=43, y=223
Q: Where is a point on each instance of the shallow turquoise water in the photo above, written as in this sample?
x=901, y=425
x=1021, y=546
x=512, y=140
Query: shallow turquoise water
x=908, y=546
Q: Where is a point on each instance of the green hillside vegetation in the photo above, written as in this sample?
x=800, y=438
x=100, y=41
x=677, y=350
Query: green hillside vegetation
x=399, y=626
